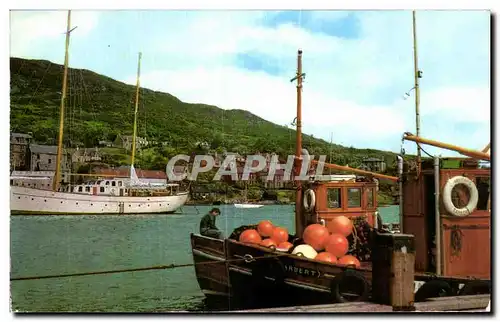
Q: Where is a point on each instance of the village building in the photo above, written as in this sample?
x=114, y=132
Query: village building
x=86, y=155
x=19, y=143
x=43, y=158
x=126, y=141
x=374, y=165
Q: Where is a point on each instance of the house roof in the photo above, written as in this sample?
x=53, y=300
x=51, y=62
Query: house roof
x=44, y=149
x=130, y=137
x=20, y=135
x=87, y=151
x=373, y=160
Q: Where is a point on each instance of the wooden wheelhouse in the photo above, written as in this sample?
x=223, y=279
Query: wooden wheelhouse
x=449, y=244
x=342, y=195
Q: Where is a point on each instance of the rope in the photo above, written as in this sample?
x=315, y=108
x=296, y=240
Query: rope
x=39, y=83
x=418, y=144
x=247, y=258
x=431, y=156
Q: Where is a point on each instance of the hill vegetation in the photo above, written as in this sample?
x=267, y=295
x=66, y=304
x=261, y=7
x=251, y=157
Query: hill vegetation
x=100, y=108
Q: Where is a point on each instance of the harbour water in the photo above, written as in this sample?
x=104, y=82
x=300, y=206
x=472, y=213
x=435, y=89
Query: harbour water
x=50, y=245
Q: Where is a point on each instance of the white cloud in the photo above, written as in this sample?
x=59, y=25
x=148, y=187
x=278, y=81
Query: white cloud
x=353, y=87
x=30, y=29
x=460, y=104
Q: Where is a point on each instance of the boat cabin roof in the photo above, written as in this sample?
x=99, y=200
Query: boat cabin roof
x=124, y=180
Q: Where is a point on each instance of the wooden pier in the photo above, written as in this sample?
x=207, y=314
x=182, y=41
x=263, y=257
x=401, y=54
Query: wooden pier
x=469, y=303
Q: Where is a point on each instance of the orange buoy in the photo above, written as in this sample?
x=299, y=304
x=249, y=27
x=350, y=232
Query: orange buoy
x=268, y=243
x=349, y=260
x=250, y=236
x=337, y=245
x=326, y=257
x=265, y=228
x=316, y=235
x=341, y=225
x=285, y=245
x=279, y=235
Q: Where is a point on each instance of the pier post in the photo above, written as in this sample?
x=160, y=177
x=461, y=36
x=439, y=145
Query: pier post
x=393, y=270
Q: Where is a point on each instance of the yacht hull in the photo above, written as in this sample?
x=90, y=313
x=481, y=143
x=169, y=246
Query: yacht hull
x=36, y=201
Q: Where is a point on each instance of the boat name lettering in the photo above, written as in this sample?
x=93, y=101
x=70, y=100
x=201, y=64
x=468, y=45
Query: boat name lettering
x=301, y=271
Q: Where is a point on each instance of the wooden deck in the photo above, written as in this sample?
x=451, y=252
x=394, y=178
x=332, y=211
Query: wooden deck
x=470, y=303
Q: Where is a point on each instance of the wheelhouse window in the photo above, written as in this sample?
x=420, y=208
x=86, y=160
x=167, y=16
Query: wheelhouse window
x=354, y=198
x=102, y=189
x=119, y=183
x=107, y=183
x=483, y=189
x=80, y=189
x=87, y=189
x=113, y=183
x=334, y=198
x=369, y=196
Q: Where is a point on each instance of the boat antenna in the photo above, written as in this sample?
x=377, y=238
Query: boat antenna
x=299, y=220
x=57, y=174
x=135, y=112
x=418, y=75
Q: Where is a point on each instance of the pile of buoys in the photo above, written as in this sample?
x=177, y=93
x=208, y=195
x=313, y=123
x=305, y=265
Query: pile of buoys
x=331, y=246
x=267, y=235
x=320, y=243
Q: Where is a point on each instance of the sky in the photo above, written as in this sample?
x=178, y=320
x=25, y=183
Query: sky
x=358, y=65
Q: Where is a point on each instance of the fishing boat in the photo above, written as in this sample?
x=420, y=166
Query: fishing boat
x=437, y=249
x=102, y=196
x=246, y=204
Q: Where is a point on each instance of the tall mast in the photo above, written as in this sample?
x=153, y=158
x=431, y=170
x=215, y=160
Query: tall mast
x=136, y=108
x=299, y=220
x=417, y=91
x=330, y=152
x=57, y=174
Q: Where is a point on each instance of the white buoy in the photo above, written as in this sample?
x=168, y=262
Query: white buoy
x=305, y=250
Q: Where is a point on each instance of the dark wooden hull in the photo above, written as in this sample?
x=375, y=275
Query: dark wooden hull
x=284, y=281
x=233, y=275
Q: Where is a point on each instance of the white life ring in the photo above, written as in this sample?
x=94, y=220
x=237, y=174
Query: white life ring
x=309, y=194
x=448, y=203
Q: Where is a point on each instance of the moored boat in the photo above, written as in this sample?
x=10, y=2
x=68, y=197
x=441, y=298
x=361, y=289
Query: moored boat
x=435, y=223
x=247, y=205
x=100, y=196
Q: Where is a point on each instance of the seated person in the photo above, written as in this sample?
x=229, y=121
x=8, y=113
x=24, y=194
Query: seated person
x=207, y=225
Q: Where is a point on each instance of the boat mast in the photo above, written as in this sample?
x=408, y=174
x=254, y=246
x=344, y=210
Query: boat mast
x=57, y=173
x=135, y=113
x=299, y=220
x=330, y=152
x=417, y=92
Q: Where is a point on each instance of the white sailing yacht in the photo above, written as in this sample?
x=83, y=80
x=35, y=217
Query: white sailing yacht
x=103, y=196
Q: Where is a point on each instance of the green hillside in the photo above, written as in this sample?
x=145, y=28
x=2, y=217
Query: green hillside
x=100, y=108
